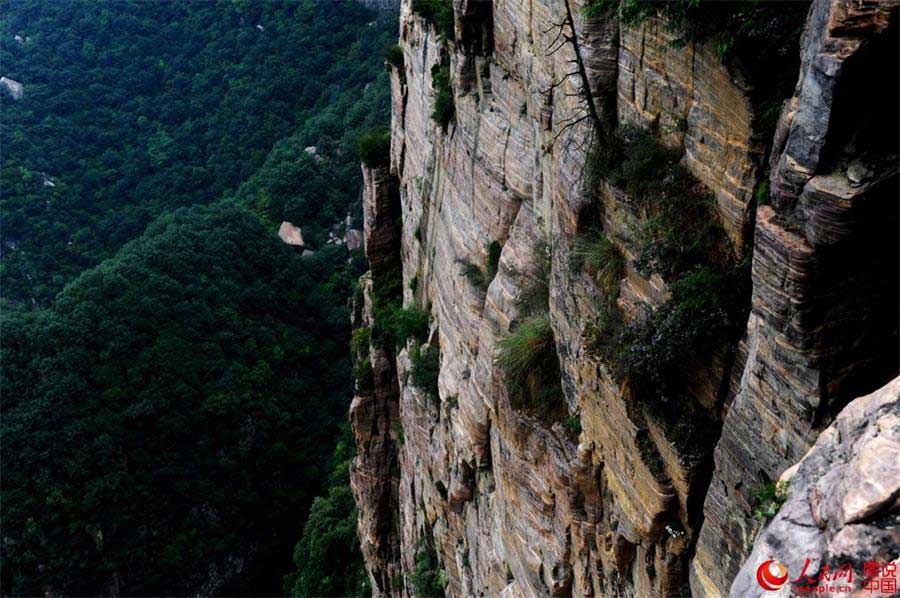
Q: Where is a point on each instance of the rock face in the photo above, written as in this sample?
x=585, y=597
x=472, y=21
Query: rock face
x=822, y=328
x=15, y=89
x=840, y=494
x=374, y=412
x=290, y=234
x=646, y=499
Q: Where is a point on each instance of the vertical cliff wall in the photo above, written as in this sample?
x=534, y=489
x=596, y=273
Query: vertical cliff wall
x=625, y=485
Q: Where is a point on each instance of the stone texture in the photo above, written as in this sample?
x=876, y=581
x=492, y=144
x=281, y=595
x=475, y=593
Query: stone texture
x=380, y=216
x=699, y=105
x=353, y=238
x=823, y=323
x=374, y=412
x=374, y=478
x=836, y=40
x=15, y=89
x=514, y=506
x=290, y=234
x=842, y=505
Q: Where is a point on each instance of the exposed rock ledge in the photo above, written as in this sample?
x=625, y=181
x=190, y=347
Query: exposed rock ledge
x=842, y=505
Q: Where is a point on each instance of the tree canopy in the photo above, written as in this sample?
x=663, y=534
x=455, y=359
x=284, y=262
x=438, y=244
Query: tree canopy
x=174, y=376
x=166, y=419
x=132, y=109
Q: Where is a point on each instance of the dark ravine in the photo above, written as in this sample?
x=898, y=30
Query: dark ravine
x=651, y=494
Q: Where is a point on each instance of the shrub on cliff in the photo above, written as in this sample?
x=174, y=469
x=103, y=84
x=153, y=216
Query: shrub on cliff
x=428, y=580
x=603, y=335
x=437, y=12
x=426, y=367
x=394, y=55
x=478, y=277
x=475, y=275
x=395, y=325
x=643, y=163
x=444, y=109
x=375, y=148
x=534, y=282
x=679, y=224
x=681, y=238
x=730, y=26
x=364, y=375
x=530, y=367
x=705, y=308
x=359, y=341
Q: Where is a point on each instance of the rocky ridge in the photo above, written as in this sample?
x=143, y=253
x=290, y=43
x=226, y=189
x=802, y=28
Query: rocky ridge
x=646, y=499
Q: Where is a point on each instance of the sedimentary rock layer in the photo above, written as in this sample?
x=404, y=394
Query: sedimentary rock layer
x=632, y=503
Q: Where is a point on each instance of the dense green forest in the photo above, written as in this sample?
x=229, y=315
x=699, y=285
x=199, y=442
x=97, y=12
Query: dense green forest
x=174, y=376
x=131, y=109
x=166, y=415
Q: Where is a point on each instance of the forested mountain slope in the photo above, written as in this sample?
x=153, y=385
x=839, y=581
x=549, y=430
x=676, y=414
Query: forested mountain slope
x=166, y=420
x=174, y=376
x=130, y=109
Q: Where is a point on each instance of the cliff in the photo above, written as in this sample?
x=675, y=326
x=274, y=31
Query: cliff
x=708, y=258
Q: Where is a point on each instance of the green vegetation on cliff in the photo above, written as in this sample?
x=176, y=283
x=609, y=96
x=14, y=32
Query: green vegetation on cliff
x=526, y=356
x=680, y=238
x=324, y=565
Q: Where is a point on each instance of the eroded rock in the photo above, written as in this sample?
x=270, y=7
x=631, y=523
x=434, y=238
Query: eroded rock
x=842, y=507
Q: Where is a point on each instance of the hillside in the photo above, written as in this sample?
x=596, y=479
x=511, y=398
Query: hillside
x=133, y=109
x=174, y=375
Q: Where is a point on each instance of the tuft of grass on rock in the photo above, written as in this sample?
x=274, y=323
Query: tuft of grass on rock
x=530, y=367
x=768, y=499
x=601, y=259
x=534, y=283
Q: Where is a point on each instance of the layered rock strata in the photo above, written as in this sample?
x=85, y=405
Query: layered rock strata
x=374, y=412
x=510, y=504
x=823, y=324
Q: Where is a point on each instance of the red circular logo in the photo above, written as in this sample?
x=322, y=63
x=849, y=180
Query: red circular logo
x=769, y=580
